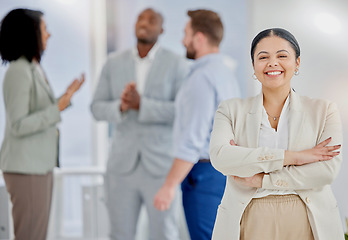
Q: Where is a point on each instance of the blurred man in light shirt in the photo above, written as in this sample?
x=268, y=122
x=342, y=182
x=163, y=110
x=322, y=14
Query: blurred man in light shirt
x=210, y=81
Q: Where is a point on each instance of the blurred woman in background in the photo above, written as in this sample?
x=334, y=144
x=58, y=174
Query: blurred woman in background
x=29, y=150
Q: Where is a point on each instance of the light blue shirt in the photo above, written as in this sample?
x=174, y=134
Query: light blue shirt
x=210, y=81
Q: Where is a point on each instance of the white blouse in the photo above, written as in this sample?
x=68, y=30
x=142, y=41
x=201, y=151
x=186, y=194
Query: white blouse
x=271, y=138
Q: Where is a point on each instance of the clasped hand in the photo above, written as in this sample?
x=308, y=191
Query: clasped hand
x=64, y=100
x=130, y=98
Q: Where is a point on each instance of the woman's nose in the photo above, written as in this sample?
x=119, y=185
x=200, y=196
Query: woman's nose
x=273, y=63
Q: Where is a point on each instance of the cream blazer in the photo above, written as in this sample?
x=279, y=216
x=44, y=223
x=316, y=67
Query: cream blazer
x=310, y=122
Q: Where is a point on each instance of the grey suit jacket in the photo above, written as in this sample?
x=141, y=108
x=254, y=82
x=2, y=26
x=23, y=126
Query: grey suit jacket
x=311, y=121
x=30, y=144
x=147, y=132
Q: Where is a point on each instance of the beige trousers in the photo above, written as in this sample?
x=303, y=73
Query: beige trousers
x=276, y=217
x=31, y=203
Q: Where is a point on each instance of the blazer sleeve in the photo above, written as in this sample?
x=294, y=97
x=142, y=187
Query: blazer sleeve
x=313, y=175
x=160, y=111
x=17, y=92
x=104, y=106
x=236, y=160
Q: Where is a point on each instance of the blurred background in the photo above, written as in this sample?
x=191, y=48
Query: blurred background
x=85, y=31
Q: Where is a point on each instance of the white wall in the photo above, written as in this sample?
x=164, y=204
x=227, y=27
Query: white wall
x=324, y=64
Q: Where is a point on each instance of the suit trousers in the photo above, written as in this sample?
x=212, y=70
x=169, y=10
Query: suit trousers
x=276, y=217
x=127, y=193
x=31, y=203
x=202, y=191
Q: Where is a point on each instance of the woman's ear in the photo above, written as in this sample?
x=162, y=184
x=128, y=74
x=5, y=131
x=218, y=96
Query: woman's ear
x=298, y=62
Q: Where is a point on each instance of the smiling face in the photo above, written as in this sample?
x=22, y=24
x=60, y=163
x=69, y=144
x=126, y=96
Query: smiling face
x=148, y=27
x=275, y=63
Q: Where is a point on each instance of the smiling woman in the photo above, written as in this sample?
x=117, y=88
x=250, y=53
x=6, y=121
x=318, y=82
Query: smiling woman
x=275, y=149
x=276, y=58
x=275, y=66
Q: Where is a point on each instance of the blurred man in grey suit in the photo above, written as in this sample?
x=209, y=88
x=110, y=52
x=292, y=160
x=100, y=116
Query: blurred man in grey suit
x=136, y=93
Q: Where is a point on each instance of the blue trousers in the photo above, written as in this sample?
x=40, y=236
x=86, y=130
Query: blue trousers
x=202, y=191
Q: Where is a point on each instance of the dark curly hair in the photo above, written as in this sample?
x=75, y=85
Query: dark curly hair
x=20, y=35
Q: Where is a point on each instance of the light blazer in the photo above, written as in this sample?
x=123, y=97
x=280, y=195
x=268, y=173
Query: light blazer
x=310, y=122
x=147, y=132
x=30, y=144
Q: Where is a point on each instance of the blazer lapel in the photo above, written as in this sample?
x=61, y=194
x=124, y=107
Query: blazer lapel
x=154, y=70
x=129, y=67
x=39, y=78
x=253, y=121
x=296, y=120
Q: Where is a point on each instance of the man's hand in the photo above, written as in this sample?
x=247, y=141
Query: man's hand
x=176, y=175
x=130, y=97
x=164, y=198
x=124, y=106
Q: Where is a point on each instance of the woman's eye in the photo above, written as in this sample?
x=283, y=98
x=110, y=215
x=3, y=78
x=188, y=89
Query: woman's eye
x=283, y=56
x=261, y=58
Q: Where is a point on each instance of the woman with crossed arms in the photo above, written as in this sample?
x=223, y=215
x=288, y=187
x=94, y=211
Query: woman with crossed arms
x=280, y=153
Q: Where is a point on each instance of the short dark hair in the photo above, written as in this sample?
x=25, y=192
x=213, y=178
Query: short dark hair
x=20, y=35
x=279, y=32
x=156, y=12
x=208, y=23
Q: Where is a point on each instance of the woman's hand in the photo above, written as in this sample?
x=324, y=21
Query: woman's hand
x=64, y=101
x=254, y=181
x=75, y=85
x=232, y=142
x=321, y=152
